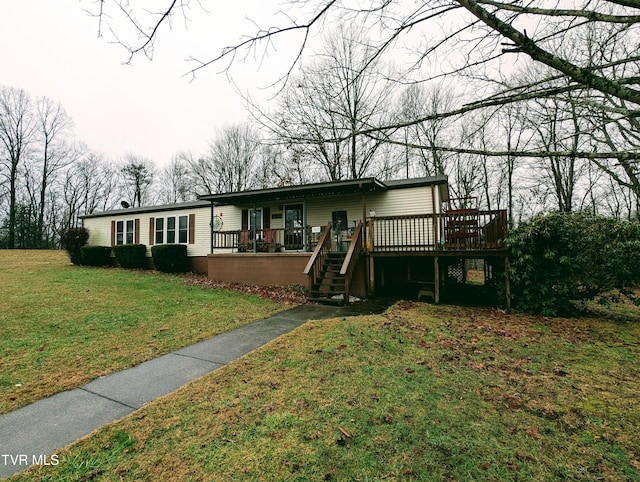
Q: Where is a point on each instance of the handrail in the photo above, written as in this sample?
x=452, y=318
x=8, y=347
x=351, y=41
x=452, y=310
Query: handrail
x=316, y=252
x=350, y=260
x=318, y=257
x=354, y=247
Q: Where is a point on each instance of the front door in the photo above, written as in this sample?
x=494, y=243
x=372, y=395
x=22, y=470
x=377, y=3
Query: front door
x=294, y=225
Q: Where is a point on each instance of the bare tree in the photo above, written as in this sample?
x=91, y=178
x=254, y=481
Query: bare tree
x=138, y=175
x=17, y=127
x=56, y=152
x=89, y=185
x=418, y=102
x=174, y=181
x=323, y=110
x=232, y=158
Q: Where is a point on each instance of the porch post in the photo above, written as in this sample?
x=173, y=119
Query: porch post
x=436, y=276
x=253, y=228
x=305, y=238
x=211, y=228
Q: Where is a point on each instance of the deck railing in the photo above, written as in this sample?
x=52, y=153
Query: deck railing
x=456, y=230
x=264, y=240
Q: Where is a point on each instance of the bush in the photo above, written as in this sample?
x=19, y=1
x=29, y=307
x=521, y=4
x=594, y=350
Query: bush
x=96, y=255
x=170, y=258
x=72, y=240
x=560, y=258
x=131, y=256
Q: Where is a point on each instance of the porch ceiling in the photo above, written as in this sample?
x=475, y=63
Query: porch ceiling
x=296, y=192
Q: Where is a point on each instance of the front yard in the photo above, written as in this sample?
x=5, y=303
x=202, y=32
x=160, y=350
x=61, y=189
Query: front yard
x=64, y=325
x=420, y=392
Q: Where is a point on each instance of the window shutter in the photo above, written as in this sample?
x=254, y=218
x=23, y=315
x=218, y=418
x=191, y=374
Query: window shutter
x=266, y=218
x=152, y=230
x=113, y=233
x=245, y=219
x=192, y=228
x=136, y=230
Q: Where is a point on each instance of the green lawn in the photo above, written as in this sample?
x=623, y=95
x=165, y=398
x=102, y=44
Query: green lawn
x=417, y=393
x=64, y=325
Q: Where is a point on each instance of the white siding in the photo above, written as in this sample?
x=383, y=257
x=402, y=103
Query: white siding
x=396, y=202
x=402, y=202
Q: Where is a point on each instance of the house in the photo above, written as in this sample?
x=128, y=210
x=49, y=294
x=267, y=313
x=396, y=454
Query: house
x=359, y=237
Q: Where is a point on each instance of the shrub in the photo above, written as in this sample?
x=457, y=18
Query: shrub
x=170, y=258
x=560, y=258
x=72, y=240
x=131, y=256
x=96, y=255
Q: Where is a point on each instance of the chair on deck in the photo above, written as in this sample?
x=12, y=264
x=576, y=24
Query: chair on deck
x=268, y=241
x=244, y=241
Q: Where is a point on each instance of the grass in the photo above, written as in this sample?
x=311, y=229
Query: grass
x=417, y=393
x=63, y=325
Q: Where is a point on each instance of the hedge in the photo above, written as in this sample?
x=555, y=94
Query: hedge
x=131, y=256
x=170, y=258
x=96, y=255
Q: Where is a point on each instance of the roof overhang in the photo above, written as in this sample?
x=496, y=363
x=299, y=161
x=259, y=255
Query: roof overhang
x=331, y=188
x=148, y=209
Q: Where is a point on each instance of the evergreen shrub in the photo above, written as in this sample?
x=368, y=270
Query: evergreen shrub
x=131, y=256
x=557, y=259
x=170, y=258
x=96, y=255
x=72, y=240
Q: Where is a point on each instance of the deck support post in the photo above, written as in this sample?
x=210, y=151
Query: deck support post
x=507, y=284
x=436, y=279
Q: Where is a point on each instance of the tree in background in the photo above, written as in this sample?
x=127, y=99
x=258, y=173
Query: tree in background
x=17, y=128
x=325, y=106
x=232, y=157
x=137, y=175
x=174, y=184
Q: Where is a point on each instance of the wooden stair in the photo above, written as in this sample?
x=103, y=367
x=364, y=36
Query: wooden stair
x=330, y=282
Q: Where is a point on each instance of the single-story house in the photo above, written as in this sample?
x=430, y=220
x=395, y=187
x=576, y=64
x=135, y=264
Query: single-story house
x=340, y=238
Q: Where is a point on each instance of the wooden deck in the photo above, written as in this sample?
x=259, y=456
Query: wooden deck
x=462, y=231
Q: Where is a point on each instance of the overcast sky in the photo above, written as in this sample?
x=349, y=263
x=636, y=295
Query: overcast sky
x=51, y=48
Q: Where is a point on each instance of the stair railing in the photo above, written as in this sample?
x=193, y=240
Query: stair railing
x=350, y=260
x=318, y=257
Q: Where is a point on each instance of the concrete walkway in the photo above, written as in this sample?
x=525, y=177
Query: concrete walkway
x=33, y=433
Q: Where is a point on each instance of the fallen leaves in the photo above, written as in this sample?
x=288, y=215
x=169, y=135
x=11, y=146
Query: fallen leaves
x=292, y=295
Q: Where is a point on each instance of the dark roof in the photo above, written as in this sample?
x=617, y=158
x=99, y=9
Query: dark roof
x=149, y=209
x=369, y=184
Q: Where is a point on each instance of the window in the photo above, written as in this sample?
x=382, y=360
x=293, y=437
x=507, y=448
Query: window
x=183, y=229
x=120, y=232
x=130, y=226
x=125, y=232
x=171, y=230
x=159, y=230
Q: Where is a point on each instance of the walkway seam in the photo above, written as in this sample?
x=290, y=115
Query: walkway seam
x=108, y=398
